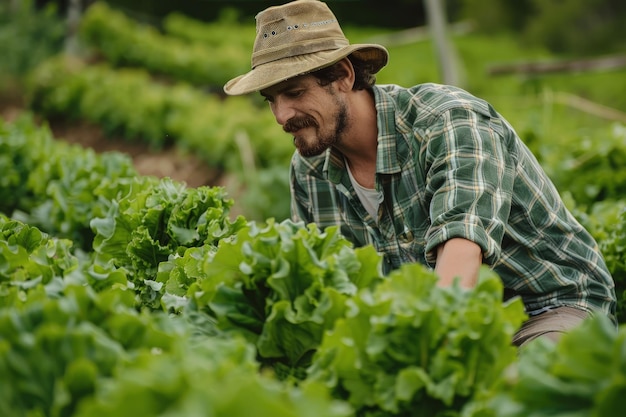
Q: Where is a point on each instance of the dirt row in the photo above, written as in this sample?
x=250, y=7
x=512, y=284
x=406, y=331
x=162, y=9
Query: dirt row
x=161, y=163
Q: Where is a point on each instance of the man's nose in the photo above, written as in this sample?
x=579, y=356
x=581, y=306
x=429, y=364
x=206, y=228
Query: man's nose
x=282, y=111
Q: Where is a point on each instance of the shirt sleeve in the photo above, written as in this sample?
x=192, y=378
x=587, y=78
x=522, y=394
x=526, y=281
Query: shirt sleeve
x=470, y=176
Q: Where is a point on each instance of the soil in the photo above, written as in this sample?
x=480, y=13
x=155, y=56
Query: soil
x=168, y=162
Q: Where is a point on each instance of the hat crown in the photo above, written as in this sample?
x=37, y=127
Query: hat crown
x=296, y=28
x=298, y=38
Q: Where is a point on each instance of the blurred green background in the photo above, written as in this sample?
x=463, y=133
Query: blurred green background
x=151, y=72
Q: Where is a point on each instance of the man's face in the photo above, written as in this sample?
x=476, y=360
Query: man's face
x=315, y=115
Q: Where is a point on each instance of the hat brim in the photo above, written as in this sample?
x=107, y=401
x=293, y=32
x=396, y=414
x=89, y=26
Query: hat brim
x=272, y=73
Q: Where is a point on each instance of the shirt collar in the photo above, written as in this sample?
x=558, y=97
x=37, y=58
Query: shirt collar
x=334, y=166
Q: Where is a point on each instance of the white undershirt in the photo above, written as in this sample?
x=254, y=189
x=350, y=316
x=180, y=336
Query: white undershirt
x=368, y=196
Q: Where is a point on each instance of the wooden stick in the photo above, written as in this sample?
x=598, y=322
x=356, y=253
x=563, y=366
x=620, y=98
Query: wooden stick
x=588, y=106
x=539, y=67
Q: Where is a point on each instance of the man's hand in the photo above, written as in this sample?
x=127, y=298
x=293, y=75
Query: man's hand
x=461, y=258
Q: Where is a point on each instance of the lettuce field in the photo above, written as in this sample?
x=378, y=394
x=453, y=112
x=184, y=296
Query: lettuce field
x=124, y=294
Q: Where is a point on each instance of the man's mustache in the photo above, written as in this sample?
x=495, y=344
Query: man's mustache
x=296, y=123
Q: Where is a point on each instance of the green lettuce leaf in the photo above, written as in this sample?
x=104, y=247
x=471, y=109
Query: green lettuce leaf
x=584, y=374
x=282, y=287
x=155, y=222
x=409, y=345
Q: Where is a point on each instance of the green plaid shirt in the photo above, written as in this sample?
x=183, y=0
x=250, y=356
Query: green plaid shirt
x=449, y=165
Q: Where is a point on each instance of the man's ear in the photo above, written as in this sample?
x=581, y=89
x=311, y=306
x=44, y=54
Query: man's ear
x=347, y=82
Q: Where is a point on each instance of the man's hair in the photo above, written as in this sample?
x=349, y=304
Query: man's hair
x=364, y=79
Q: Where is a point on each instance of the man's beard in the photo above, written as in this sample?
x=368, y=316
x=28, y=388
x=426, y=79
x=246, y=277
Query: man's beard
x=324, y=140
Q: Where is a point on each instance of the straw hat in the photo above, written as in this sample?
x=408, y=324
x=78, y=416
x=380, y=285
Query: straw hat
x=297, y=38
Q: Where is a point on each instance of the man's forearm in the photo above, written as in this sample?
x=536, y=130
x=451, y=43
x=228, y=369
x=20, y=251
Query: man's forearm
x=460, y=258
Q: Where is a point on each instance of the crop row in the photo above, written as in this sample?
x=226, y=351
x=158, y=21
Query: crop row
x=128, y=103
x=591, y=170
x=62, y=187
x=125, y=42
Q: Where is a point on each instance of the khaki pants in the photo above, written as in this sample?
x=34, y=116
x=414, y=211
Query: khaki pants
x=550, y=324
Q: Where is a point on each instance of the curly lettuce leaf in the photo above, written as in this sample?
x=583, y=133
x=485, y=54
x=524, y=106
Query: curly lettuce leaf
x=410, y=345
x=581, y=375
x=282, y=286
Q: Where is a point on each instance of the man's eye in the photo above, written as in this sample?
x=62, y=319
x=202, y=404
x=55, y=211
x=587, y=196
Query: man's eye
x=294, y=94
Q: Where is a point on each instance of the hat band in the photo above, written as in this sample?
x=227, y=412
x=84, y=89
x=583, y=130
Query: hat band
x=297, y=48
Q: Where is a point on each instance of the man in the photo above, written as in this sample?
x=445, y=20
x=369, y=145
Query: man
x=427, y=174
